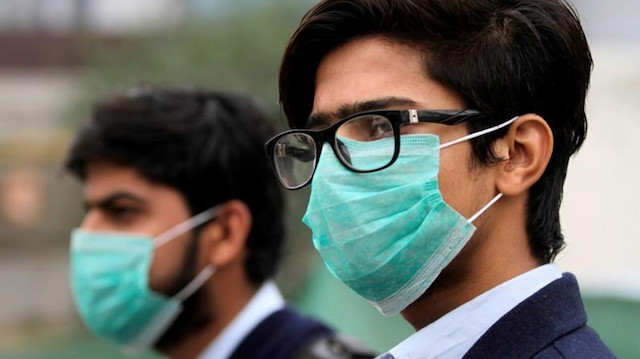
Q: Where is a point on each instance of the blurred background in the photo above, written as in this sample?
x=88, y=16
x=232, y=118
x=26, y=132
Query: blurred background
x=58, y=56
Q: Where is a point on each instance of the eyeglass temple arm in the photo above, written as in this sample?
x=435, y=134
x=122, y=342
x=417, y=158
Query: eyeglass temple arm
x=442, y=117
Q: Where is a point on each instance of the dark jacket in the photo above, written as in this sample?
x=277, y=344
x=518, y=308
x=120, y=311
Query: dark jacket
x=286, y=334
x=550, y=324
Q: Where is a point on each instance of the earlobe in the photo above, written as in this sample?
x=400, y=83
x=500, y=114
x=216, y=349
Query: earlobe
x=223, y=240
x=529, y=143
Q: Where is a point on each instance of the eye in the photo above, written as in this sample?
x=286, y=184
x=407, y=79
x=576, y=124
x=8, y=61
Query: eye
x=122, y=214
x=380, y=127
x=366, y=128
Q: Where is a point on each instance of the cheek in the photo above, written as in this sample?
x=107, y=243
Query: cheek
x=464, y=187
x=167, y=264
x=455, y=179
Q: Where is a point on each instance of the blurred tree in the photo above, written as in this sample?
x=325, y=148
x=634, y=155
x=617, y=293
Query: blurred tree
x=238, y=50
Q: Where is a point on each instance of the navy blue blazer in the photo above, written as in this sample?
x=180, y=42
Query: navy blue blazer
x=286, y=334
x=551, y=324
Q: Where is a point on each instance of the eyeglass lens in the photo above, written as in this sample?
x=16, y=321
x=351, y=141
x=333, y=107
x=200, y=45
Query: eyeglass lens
x=295, y=159
x=364, y=143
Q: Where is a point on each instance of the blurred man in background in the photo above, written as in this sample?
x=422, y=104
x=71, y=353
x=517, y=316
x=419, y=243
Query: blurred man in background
x=436, y=135
x=184, y=231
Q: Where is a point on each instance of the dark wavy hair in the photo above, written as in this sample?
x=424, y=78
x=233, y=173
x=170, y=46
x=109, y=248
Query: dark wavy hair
x=207, y=145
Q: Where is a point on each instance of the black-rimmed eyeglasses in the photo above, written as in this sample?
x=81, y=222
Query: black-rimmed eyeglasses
x=294, y=154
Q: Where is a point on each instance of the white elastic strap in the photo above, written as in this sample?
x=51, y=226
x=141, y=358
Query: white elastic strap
x=153, y=331
x=485, y=208
x=185, y=226
x=195, y=284
x=479, y=133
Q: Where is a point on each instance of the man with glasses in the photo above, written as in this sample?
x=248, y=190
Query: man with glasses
x=436, y=137
x=184, y=231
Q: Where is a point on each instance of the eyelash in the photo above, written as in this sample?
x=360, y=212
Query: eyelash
x=120, y=212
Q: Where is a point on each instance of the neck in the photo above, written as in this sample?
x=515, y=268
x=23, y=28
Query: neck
x=230, y=293
x=497, y=252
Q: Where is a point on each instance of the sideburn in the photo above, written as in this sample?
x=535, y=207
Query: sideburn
x=195, y=314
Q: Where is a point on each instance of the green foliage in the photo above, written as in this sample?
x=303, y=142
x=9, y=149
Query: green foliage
x=238, y=52
x=618, y=323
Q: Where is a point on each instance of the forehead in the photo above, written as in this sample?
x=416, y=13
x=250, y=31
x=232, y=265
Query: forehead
x=101, y=173
x=104, y=178
x=372, y=68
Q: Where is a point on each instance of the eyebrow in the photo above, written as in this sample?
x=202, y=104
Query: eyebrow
x=324, y=119
x=109, y=201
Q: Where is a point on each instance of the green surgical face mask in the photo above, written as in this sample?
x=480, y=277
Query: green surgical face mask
x=387, y=234
x=110, y=285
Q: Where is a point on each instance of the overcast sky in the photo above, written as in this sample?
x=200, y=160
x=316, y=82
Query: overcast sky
x=604, y=21
x=614, y=20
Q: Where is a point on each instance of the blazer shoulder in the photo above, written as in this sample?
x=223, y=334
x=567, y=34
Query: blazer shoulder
x=287, y=334
x=550, y=324
x=583, y=343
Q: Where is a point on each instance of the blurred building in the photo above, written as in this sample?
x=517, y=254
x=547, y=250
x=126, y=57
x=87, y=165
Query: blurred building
x=45, y=47
x=101, y=16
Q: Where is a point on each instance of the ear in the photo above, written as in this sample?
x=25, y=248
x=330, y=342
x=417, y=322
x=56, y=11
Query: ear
x=527, y=149
x=223, y=240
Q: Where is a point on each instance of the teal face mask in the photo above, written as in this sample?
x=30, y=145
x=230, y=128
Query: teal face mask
x=109, y=283
x=387, y=234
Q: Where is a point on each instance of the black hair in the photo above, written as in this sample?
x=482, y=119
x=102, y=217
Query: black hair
x=207, y=145
x=503, y=57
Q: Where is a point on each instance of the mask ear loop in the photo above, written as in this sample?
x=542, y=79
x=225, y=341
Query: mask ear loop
x=485, y=208
x=470, y=137
x=186, y=226
x=166, y=316
x=182, y=228
x=195, y=284
x=479, y=133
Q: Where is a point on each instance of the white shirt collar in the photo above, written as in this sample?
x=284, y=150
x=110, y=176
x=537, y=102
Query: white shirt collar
x=265, y=302
x=451, y=336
